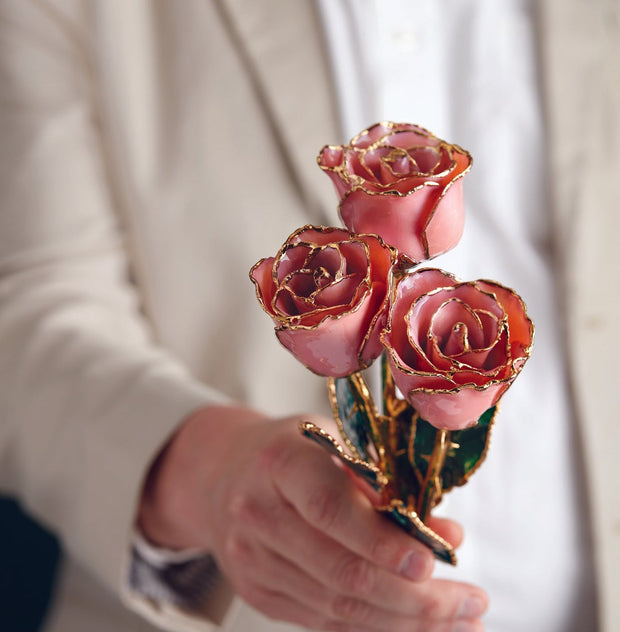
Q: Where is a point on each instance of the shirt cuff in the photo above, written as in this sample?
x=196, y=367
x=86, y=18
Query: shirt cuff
x=185, y=579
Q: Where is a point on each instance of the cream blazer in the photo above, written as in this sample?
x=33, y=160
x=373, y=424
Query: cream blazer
x=151, y=152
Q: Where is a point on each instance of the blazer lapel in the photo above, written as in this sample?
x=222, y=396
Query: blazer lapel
x=580, y=42
x=281, y=43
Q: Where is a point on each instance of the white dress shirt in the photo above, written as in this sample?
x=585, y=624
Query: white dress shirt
x=467, y=70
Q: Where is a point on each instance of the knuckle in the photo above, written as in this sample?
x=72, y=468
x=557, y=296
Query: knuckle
x=245, y=510
x=431, y=608
x=324, y=507
x=350, y=609
x=278, y=456
x=383, y=552
x=239, y=505
x=355, y=576
x=272, y=458
x=236, y=549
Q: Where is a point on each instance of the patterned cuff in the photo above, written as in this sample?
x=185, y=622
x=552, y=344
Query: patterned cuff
x=185, y=579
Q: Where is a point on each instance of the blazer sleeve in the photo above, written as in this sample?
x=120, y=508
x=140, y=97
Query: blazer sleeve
x=87, y=398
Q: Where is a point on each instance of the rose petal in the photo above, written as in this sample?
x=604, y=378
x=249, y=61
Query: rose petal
x=445, y=222
x=262, y=277
x=520, y=327
x=399, y=221
x=331, y=156
x=290, y=260
x=455, y=312
x=333, y=347
x=371, y=135
x=426, y=158
x=407, y=138
x=342, y=292
x=454, y=410
x=319, y=235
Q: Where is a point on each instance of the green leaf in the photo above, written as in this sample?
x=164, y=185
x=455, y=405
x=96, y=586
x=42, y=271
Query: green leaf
x=353, y=408
x=462, y=461
x=367, y=471
x=410, y=522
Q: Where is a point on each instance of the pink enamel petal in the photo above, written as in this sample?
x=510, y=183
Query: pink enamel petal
x=427, y=159
x=437, y=358
x=301, y=283
x=521, y=330
x=356, y=167
x=405, y=139
x=422, y=282
x=454, y=410
x=328, y=258
x=262, y=277
x=406, y=356
x=457, y=340
x=408, y=290
x=407, y=381
x=371, y=135
x=401, y=166
x=471, y=294
x=372, y=347
x=460, y=163
x=499, y=353
x=490, y=328
x=447, y=163
x=292, y=259
x=332, y=347
x=331, y=160
x=445, y=226
x=331, y=156
x=380, y=255
x=320, y=235
x=371, y=161
x=450, y=313
x=302, y=306
x=340, y=292
x=355, y=256
x=413, y=185
x=285, y=304
x=420, y=315
x=399, y=221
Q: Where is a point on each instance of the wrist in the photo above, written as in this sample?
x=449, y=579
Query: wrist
x=175, y=506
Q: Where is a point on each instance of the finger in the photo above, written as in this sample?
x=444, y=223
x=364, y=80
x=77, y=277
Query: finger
x=275, y=579
x=324, y=496
x=447, y=529
x=331, y=565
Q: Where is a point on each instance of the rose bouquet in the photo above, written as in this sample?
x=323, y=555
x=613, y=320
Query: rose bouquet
x=342, y=298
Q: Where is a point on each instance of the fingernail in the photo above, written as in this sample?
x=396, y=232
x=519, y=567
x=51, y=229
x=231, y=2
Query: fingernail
x=472, y=608
x=414, y=566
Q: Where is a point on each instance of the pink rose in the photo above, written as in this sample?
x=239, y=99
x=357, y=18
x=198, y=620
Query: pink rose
x=327, y=292
x=455, y=348
x=400, y=182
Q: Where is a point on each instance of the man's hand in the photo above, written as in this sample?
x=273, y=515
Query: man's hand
x=295, y=536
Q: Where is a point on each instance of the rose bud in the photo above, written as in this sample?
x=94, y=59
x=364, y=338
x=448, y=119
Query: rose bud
x=400, y=182
x=454, y=348
x=327, y=292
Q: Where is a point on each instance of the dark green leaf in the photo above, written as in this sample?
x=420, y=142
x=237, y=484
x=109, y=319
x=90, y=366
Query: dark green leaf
x=352, y=410
x=462, y=461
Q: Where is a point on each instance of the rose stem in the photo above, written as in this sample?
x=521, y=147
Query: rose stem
x=431, y=489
